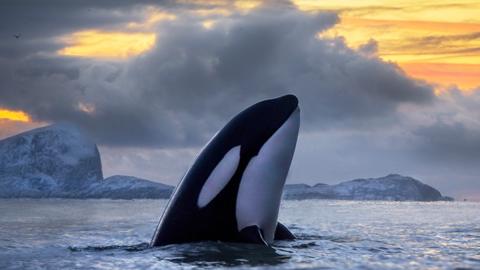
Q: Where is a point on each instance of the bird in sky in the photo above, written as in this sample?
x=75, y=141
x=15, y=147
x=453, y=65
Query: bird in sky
x=17, y=36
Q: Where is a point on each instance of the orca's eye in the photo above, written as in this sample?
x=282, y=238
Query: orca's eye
x=219, y=177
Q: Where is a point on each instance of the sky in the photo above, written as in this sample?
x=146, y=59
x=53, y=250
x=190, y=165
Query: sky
x=384, y=86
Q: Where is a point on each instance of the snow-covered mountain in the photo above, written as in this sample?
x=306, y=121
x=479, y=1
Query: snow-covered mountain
x=48, y=161
x=392, y=187
x=58, y=161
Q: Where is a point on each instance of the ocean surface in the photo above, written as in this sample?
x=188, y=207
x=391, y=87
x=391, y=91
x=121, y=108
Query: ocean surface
x=114, y=234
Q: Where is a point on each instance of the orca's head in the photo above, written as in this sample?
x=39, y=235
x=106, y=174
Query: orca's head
x=259, y=145
x=259, y=122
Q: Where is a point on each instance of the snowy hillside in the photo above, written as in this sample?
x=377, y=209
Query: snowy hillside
x=48, y=161
x=127, y=187
x=58, y=161
x=392, y=187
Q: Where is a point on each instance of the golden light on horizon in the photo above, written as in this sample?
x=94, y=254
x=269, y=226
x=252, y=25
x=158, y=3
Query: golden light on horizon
x=436, y=41
x=112, y=45
x=14, y=115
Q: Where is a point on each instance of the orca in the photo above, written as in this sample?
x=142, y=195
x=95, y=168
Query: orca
x=232, y=191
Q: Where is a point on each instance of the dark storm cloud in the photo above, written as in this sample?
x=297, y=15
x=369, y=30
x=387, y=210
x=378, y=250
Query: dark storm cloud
x=450, y=142
x=265, y=54
x=45, y=67
x=183, y=90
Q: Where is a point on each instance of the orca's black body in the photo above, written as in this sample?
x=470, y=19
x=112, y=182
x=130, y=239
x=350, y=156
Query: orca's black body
x=233, y=190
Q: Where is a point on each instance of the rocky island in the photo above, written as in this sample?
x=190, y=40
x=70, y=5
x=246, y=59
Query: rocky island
x=393, y=187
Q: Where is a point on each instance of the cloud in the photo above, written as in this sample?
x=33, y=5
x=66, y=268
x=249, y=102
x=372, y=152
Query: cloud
x=164, y=165
x=194, y=79
x=369, y=49
x=439, y=39
x=450, y=142
x=451, y=133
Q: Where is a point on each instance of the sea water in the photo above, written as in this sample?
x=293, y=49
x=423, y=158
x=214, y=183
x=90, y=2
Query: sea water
x=114, y=234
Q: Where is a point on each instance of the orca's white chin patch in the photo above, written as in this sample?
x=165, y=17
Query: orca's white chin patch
x=262, y=182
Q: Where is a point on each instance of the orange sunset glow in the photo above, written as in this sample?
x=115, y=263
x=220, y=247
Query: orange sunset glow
x=14, y=115
x=436, y=41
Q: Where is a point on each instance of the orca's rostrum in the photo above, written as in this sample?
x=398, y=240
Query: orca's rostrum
x=233, y=190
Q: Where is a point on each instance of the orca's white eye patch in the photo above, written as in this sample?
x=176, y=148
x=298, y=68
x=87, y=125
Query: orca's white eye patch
x=219, y=177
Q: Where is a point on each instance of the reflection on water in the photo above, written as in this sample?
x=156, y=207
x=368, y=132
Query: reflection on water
x=104, y=234
x=224, y=254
